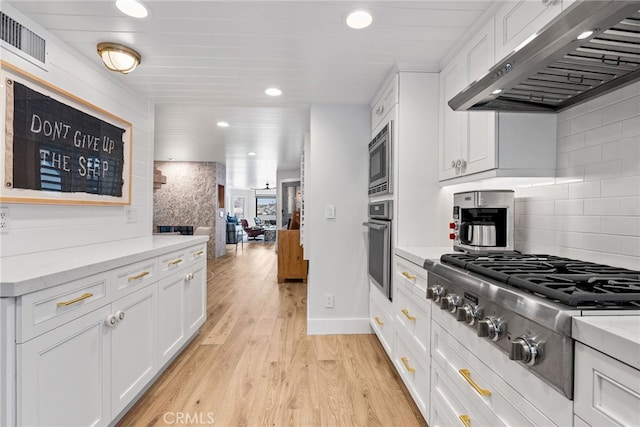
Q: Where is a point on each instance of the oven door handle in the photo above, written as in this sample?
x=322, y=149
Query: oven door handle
x=375, y=226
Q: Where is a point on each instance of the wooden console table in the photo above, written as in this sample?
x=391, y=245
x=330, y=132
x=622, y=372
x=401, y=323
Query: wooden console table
x=291, y=264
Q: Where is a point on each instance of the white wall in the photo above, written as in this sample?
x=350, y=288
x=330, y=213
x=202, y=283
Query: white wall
x=338, y=173
x=591, y=209
x=36, y=228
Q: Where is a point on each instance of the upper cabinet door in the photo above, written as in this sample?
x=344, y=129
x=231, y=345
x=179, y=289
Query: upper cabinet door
x=452, y=123
x=518, y=20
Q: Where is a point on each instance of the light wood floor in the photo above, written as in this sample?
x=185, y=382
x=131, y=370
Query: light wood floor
x=254, y=365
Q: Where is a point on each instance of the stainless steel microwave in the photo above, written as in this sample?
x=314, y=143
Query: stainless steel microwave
x=381, y=161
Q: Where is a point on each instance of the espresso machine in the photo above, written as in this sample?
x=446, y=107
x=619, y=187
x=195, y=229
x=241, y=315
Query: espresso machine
x=483, y=221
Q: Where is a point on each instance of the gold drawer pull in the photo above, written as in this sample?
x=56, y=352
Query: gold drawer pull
x=174, y=262
x=75, y=300
x=466, y=420
x=407, y=315
x=409, y=276
x=139, y=276
x=405, y=362
x=198, y=253
x=378, y=321
x=467, y=376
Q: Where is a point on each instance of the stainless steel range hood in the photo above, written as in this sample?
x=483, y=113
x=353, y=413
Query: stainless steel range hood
x=556, y=70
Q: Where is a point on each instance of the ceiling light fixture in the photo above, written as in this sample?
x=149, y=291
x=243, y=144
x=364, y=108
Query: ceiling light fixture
x=223, y=124
x=359, y=19
x=585, y=34
x=133, y=8
x=251, y=153
x=497, y=91
x=117, y=57
x=273, y=91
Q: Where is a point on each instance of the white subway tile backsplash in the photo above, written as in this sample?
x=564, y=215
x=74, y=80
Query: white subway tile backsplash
x=538, y=207
x=584, y=190
x=572, y=174
x=630, y=206
x=608, y=133
x=627, y=147
x=588, y=241
x=630, y=246
x=631, y=90
x=621, y=225
x=631, y=127
x=585, y=156
x=571, y=113
x=562, y=161
x=570, y=143
x=564, y=129
x=569, y=207
x=584, y=224
x=625, y=109
x=602, y=206
x=602, y=170
x=626, y=186
x=630, y=166
x=587, y=121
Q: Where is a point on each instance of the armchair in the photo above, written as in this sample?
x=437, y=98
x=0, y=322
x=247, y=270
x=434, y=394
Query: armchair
x=252, y=232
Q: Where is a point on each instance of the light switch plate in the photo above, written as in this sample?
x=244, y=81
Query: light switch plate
x=4, y=220
x=330, y=211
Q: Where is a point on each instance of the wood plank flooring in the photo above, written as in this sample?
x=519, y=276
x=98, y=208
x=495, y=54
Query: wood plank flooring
x=254, y=365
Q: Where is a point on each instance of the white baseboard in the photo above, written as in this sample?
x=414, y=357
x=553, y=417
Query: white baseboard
x=338, y=326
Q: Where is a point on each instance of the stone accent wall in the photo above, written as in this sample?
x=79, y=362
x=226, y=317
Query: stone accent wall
x=190, y=198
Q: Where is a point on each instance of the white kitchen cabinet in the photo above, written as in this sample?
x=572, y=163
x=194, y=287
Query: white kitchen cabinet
x=381, y=318
x=485, y=144
x=516, y=21
x=606, y=391
x=414, y=369
x=182, y=302
x=383, y=103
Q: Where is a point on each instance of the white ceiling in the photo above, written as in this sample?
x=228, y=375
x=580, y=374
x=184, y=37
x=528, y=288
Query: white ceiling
x=207, y=61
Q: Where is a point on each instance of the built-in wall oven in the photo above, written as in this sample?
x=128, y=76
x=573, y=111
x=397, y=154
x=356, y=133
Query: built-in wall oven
x=380, y=253
x=380, y=161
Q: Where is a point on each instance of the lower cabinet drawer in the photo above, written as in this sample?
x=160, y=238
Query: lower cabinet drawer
x=415, y=317
x=414, y=369
x=135, y=276
x=382, y=324
x=441, y=414
x=607, y=391
x=42, y=311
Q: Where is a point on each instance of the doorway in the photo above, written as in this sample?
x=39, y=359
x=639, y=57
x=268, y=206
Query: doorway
x=291, y=200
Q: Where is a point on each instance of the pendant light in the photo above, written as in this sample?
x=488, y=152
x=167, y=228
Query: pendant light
x=117, y=57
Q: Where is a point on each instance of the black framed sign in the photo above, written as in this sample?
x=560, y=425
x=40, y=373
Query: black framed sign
x=59, y=148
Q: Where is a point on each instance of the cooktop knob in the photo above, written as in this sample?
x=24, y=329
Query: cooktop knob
x=525, y=349
x=435, y=293
x=491, y=328
x=444, y=303
x=468, y=313
x=453, y=302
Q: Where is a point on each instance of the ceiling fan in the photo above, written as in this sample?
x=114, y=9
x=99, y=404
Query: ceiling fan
x=266, y=187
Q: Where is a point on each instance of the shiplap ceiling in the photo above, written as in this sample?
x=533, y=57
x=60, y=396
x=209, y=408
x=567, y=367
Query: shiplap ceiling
x=210, y=61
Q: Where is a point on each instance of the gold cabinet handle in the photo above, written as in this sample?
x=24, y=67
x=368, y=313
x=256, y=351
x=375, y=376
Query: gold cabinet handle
x=198, y=253
x=466, y=420
x=378, y=321
x=174, y=262
x=138, y=276
x=409, y=276
x=407, y=315
x=467, y=376
x=405, y=362
x=75, y=300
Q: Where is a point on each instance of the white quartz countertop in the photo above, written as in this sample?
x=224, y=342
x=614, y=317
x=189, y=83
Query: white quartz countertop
x=418, y=254
x=22, y=274
x=616, y=336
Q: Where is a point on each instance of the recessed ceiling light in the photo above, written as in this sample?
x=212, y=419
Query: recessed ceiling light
x=223, y=124
x=359, y=19
x=251, y=153
x=585, y=34
x=497, y=91
x=273, y=91
x=133, y=8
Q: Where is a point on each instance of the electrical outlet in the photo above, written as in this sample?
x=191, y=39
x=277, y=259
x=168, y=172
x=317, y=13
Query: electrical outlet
x=131, y=214
x=328, y=300
x=4, y=220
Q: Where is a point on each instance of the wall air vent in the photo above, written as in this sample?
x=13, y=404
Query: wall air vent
x=22, y=38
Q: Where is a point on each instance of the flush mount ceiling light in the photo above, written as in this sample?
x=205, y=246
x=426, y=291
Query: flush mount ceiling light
x=273, y=91
x=359, y=19
x=223, y=124
x=133, y=8
x=585, y=34
x=117, y=57
x=251, y=153
x=497, y=91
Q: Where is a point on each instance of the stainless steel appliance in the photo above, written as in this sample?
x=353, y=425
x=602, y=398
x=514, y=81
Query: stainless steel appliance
x=381, y=161
x=523, y=304
x=557, y=70
x=380, y=251
x=483, y=221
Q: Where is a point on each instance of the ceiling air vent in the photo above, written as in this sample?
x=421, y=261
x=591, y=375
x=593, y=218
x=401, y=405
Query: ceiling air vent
x=22, y=38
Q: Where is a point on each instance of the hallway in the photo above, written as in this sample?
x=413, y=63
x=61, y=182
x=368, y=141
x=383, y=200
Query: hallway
x=253, y=364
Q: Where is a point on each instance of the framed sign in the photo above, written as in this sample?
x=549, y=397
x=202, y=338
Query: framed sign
x=59, y=148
